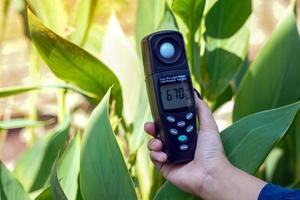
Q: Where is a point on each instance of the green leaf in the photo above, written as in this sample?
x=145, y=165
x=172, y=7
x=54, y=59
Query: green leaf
x=73, y=64
x=45, y=195
x=103, y=172
x=144, y=170
x=19, y=123
x=69, y=176
x=226, y=17
x=190, y=11
x=40, y=156
x=223, y=60
x=248, y=141
x=118, y=53
x=84, y=15
x=12, y=91
x=273, y=78
x=149, y=14
x=52, y=13
x=10, y=188
x=56, y=189
x=152, y=15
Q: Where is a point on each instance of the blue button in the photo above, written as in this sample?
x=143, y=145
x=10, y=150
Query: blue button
x=189, y=129
x=173, y=131
x=181, y=123
x=171, y=119
x=167, y=50
x=183, y=147
x=189, y=116
x=182, y=138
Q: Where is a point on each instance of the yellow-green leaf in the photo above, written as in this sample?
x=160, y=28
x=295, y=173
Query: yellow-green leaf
x=103, y=172
x=73, y=64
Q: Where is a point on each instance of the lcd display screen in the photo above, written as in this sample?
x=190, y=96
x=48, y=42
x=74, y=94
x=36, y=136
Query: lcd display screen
x=175, y=96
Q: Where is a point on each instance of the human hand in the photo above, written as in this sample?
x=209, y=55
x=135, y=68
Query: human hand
x=209, y=154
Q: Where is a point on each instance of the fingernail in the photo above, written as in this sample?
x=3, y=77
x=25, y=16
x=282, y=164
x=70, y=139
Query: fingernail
x=198, y=94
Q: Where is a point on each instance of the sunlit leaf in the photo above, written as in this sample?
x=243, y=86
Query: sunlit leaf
x=40, y=157
x=103, y=172
x=144, y=170
x=52, y=13
x=73, y=64
x=190, y=11
x=10, y=188
x=273, y=78
x=84, y=15
x=119, y=54
x=247, y=142
x=226, y=17
x=67, y=175
x=152, y=15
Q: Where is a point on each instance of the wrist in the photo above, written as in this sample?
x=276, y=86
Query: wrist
x=214, y=178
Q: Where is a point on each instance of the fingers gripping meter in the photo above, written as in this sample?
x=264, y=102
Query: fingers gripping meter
x=170, y=93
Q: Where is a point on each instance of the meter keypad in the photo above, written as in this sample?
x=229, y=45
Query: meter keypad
x=181, y=128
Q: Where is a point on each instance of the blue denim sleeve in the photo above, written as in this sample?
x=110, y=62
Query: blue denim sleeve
x=275, y=192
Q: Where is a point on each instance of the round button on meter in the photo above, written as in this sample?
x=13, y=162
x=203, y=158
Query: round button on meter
x=167, y=50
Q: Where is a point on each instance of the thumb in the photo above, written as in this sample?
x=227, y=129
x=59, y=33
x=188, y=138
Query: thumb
x=206, y=119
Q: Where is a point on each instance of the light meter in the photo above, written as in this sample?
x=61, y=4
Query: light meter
x=170, y=93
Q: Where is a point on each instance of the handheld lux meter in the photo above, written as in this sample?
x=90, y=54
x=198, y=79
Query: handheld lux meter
x=170, y=93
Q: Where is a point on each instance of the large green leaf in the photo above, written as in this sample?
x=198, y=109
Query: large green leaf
x=103, y=172
x=226, y=17
x=190, y=12
x=10, y=188
x=83, y=19
x=222, y=61
x=67, y=175
x=152, y=15
x=40, y=157
x=118, y=53
x=248, y=141
x=73, y=64
x=52, y=13
x=273, y=79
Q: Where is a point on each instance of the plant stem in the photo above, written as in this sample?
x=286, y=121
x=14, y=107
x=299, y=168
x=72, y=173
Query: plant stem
x=62, y=108
x=35, y=72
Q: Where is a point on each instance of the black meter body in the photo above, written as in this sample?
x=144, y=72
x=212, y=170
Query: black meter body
x=170, y=93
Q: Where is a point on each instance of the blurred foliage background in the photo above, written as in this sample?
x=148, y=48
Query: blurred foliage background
x=15, y=57
x=49, y=116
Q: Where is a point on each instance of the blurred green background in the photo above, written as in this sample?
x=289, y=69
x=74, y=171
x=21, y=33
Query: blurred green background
x=73, y=98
